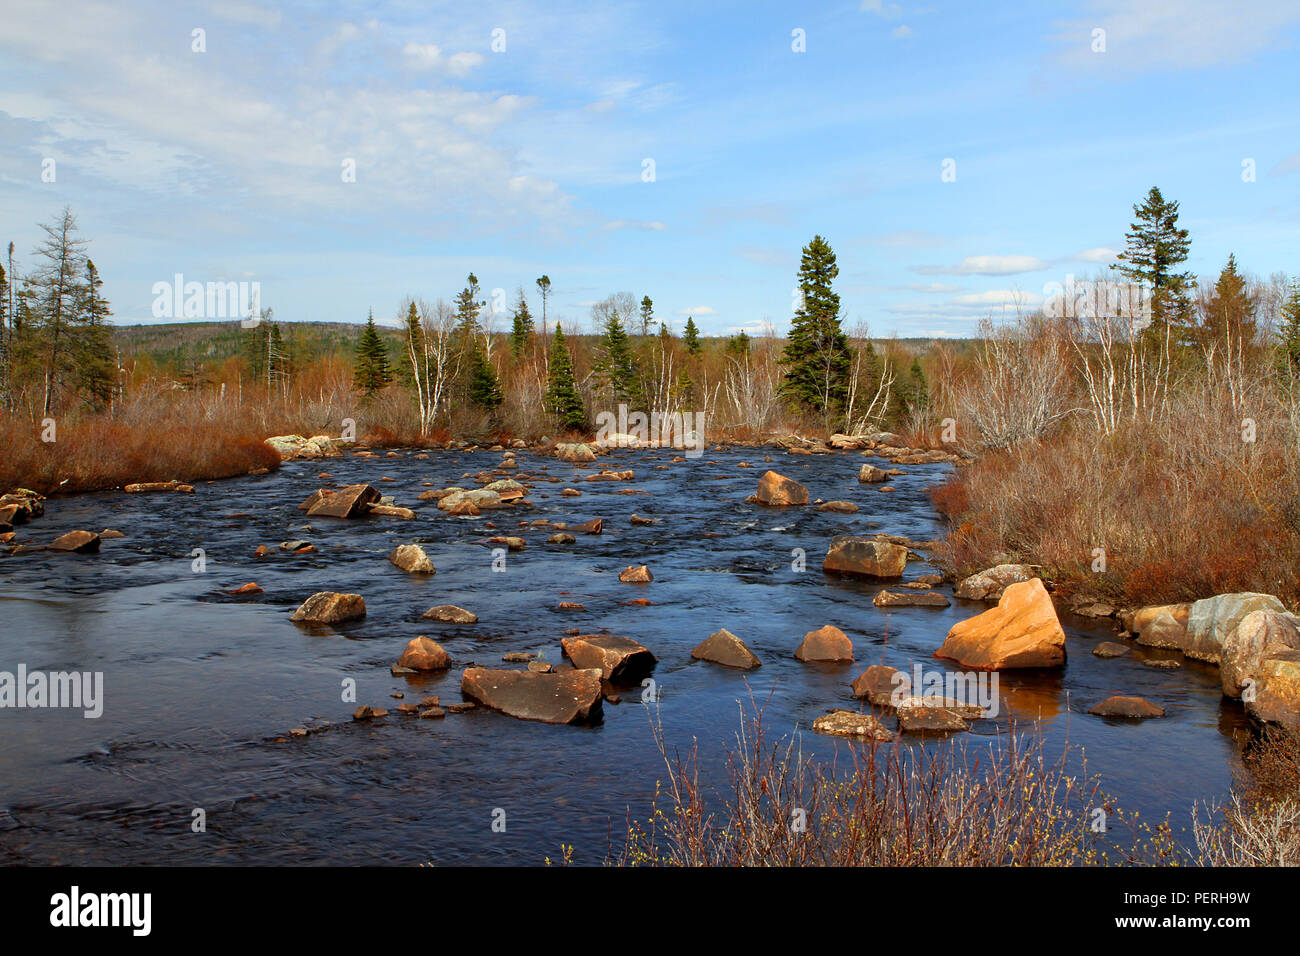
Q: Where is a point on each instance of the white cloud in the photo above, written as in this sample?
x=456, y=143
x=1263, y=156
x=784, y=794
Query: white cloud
x=422, y=56
x=1101, y=255
x=652, y=226
x=887, y=11
x=999, y=297
x=243, y=12
x=698, y=310
x=987, y=266
x=1152, y=35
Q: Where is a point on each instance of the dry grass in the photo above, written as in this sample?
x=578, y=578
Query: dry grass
x=955, y=805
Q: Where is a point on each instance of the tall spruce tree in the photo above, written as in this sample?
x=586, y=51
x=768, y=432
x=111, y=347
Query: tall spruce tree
x=468, y=306
x=691, y=337
x=57, y=285
x=521, y=330
x=372, y=371
x=562, y=397
x=647, y=314
x=484, y=386
x=817, y=356
x=616, y=367
x=1155, y=247
x=1230, y=310
x=96, y=368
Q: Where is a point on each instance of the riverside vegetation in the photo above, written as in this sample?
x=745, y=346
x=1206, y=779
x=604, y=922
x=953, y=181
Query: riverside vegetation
x=1128, y=455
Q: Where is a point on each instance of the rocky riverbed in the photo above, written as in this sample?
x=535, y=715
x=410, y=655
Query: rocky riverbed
x=216, y=701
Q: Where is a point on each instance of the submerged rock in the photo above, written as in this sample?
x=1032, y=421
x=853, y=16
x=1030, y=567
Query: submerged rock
x=1110, y=649
x=910, y=599
x=1022, y=631
x=566, y=697
x=726, y=649
x=1134, y=708
x=450, y=614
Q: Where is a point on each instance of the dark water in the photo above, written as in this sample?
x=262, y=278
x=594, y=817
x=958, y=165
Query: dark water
x=198, y=685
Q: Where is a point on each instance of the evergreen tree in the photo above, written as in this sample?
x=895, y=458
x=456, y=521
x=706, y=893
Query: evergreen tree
x=562, y=397
x=521, y=331
x=665, y=334
x=739, y=345
x=616, y=366
x=484, y=386
x=544, y=287
x=915, y=393
x=1156, y=247
x=647, y=314
x=57, y=285
x=468, y=307
x=691, y=337
x=817, y=356
x=1230, y=311
x=6, y=336
x=684, y=390
x=96, y=368
x=372, y=371
x=1289, y=334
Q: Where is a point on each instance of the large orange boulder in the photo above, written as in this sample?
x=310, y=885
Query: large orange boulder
x=827, y=643
x=1022, y=631
x=778, y=491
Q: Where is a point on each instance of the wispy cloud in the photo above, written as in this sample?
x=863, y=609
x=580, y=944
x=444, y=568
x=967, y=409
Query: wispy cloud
x=987, y=266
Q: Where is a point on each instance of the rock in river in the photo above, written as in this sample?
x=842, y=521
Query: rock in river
x=850, y=723
x=727, y=649
x=351, y=501
x=450, y=614
x=877, y=684
x=412, y=558
x=910, y=599
x=423, y=654
x=330, y=607
x=865, y=557
x=620, y=660
x=637, y=574
x=989, y=584
x=1134, y=708
x=82, y=542
x=1022, y=631
x=827, y=643
x=779, y=491
x=565, y=697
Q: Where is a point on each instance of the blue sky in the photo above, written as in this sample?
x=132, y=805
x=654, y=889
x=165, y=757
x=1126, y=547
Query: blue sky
x=226, y=164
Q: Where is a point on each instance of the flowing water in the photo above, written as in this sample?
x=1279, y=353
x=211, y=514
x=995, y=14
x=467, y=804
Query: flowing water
x=201, y=688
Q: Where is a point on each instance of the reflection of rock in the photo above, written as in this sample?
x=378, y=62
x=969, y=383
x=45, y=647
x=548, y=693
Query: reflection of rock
x=1032, y=702
x=727, y=649
x=1022, y=631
